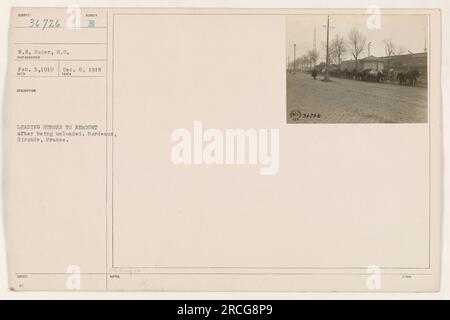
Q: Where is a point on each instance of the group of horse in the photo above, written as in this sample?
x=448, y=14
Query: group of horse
x=407, y=78
x=365, y=75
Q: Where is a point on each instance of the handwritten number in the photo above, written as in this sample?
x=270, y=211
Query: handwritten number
x=46, y=23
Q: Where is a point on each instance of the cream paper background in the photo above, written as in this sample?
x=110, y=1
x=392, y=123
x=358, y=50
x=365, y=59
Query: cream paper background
x=332, y=145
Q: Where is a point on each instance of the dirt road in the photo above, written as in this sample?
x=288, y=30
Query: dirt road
x=350, y=101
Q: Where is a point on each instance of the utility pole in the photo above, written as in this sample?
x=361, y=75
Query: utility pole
x=369, y=45
x=327, y=75
x=294, y=56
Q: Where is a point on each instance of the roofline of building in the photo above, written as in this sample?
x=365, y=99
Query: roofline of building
x=381, y=59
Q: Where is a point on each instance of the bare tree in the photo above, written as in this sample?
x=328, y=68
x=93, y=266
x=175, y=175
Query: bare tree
x=357, y=43
x=391, y=49
x=338, y=49
x=313, y=55
x=331, y=53
x=305, y=62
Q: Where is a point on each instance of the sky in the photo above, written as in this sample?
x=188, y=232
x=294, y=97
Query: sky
x=406, y=31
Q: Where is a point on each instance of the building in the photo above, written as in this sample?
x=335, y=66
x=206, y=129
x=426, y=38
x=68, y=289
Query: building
x=349, y=65
x=406, y=62
x=322, y=67
x=372, y=63
x=393, y=65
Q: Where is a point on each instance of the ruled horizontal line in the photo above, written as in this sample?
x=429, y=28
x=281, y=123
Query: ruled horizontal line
x=227, y=273
x=65, y=43
x=61, y=76
x=34, y=60
x=64, y=28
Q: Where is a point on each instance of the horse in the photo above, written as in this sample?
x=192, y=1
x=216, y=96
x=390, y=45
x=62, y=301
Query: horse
x=335, y=73
x=401, y=78
x=381, y=77
x=345, y=73
x=408, y=78
x=359, y=75
x=389, y=75
x=374, y=75
x=364, y=75
x=411, y=77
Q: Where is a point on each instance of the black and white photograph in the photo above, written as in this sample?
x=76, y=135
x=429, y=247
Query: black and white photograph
x=357, y=68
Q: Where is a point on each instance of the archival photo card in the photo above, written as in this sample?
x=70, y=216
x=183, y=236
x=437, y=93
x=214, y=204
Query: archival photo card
x=150, y=150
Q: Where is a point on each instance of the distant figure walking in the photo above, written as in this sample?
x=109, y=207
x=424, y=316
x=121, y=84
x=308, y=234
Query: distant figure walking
x=314, y=74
